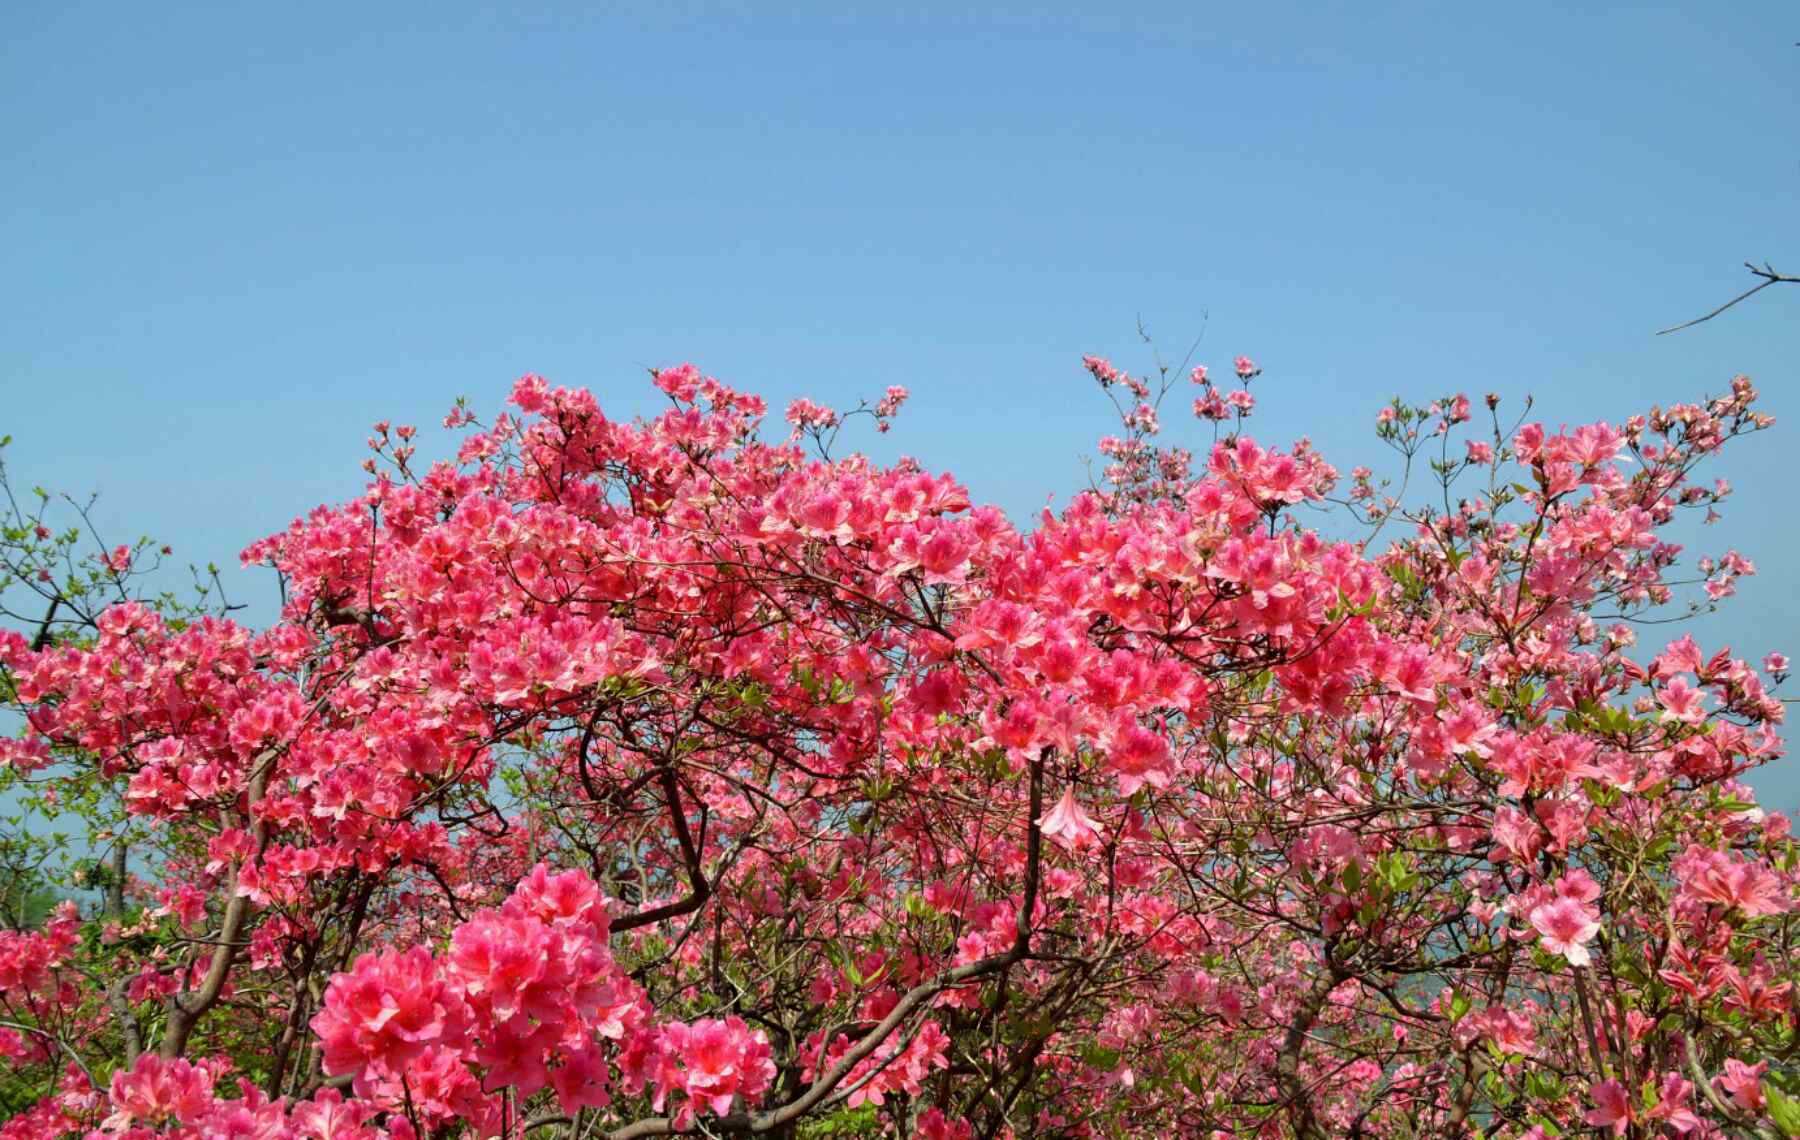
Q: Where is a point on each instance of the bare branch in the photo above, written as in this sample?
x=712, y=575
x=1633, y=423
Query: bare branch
x=1769, y=277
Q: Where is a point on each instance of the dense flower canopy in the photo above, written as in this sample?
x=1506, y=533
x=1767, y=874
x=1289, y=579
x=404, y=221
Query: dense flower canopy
x=659, y=777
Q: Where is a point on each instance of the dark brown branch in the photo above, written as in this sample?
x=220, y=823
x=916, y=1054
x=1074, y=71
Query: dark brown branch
x=915, y=998
x=699, y=890
x=43, y=634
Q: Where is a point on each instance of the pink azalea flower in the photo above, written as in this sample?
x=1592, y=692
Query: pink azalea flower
x=1564, y=926
x=1067, y=824
x=1744, y=1083
x=1614, y=1111
x=1672, y=1104
x=1681, y=702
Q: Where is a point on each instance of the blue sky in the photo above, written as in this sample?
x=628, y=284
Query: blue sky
x=236, y=236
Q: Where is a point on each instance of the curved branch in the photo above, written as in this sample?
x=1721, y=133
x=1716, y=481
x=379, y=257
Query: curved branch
x=751, y=1123
x=185, y=1010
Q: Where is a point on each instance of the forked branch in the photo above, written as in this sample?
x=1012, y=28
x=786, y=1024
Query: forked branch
x=1768, y=277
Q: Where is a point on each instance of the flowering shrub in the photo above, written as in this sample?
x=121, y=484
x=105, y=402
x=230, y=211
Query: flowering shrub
x=654, y=778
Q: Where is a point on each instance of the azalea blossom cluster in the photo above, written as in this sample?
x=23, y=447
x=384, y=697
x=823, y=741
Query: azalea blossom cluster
x=527, y=996
x=662, y=777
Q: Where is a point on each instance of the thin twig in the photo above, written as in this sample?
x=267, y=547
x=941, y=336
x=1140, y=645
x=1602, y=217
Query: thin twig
x=1769, y=277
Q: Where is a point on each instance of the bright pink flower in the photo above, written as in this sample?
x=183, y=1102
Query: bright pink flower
x=1681, y=702
x=721, y=1060
x=1744, y=1083
x=1673, y=1104
x=1564, y=927
x=1138, y=756
x=682, y=382
x=156, y=1091
x=1614, y=1107
x=1712, y=877
x=580, y=1081
x=804, y=414
x=1068, y=824
x=386, y=1011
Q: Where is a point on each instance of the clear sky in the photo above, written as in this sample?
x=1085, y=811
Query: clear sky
x=235, y=236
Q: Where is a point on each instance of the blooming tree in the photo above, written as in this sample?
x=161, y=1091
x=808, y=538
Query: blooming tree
x=665, y=777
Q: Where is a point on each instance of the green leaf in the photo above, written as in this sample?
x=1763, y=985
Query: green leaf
x=1784, y=1110
x=1459, y=1005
